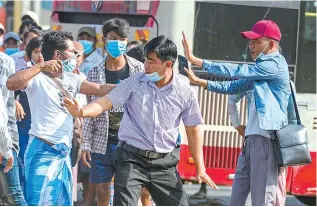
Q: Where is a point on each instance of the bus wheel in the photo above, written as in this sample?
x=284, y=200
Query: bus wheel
x=311, y=201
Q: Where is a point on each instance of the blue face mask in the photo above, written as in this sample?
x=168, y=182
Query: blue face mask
x=11, y=51
x=115, y=48
x=88, y=46
x=69, y=65
x=155, y=77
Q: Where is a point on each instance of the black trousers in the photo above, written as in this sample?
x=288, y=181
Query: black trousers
x=159, y=176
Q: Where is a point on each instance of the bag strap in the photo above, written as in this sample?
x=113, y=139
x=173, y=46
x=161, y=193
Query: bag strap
x=59, y=85
x=295, y=106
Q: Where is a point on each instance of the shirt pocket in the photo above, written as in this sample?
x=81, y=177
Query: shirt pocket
x=169, y=116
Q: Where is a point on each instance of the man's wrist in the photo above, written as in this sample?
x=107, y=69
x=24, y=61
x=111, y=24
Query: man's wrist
x=201, y=82
x=40, y=66
x=200, y=168
x=81, y=113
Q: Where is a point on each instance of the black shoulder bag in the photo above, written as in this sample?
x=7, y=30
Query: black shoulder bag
x=293, y=142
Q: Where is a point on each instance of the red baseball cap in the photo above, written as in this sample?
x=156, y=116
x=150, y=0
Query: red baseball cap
x=262, y=28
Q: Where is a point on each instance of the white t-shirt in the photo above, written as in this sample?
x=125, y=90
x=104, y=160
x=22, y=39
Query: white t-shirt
x=50, y=120
x=81, y=98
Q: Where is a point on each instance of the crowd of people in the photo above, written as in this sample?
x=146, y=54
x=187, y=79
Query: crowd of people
x=70, y=114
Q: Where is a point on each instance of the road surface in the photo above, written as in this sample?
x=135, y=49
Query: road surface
x=221, y=196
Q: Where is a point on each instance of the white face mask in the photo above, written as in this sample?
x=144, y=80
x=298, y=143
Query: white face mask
x=1, y=40
x=261, y=53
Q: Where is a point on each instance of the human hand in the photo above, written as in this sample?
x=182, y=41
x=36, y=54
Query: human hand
x=51, y=66
x=241, y=130
x=73, y=107
x=202, y=176
x=19, y=111
x=86, y=158
x=9, y=164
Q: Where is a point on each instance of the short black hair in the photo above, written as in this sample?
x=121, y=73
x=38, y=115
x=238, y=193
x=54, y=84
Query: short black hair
x=54, y=40
x=26, y=25
x=119, y=26
x=164, y=48
x=137, y=53
x=135, y=42
x=35, y=43
x=34, y=30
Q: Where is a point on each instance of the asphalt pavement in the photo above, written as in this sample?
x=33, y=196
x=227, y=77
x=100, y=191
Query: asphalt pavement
x=221, y=197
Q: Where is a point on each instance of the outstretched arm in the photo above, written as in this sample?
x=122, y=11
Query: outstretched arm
x=224, y=87
x=116, y=98
x=264, y=69
x=94, y=89
x=91, y=110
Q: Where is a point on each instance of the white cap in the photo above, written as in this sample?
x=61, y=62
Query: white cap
x=32, y=15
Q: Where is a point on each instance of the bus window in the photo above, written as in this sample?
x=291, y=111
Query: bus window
x=218, y=27
x=99, y=18
x=306, y=65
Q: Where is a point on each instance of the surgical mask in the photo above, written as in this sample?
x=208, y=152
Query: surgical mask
x=1, y=41
x=88, y=46
x=155, y=77
x=11, y=51
x=115, y=48
x=69, y=65
x=261, y=53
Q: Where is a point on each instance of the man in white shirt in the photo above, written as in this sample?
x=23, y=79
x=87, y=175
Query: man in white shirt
x=88, y=38
x=47, y=160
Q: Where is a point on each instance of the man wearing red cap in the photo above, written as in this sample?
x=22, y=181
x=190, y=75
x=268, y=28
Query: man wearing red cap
x=257, y=168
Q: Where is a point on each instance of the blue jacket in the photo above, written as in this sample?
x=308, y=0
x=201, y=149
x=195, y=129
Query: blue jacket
x=269, y=78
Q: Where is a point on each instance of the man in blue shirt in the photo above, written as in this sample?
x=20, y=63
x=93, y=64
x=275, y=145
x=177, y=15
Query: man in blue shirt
x=257, y=167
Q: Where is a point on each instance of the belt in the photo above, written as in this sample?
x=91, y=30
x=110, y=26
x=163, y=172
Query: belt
x=47, y=142
x=143, y=153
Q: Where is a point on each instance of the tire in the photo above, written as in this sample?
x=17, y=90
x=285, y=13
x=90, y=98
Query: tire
x=311, y=201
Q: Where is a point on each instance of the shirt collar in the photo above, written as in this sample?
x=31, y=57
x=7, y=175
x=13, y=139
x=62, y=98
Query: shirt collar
x=131, y=65
x=269, y=56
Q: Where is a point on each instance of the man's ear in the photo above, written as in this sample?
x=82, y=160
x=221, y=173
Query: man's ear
x=272, y=44
x=169, y=64
x=104, y=40
x=56, y=55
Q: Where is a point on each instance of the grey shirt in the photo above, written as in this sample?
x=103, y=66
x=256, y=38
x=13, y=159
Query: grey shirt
x=7, y=68
x=152, y=115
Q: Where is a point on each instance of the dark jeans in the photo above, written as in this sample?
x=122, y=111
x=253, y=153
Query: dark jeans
x=159, y=176
x=23, y=142
x=10, y=187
